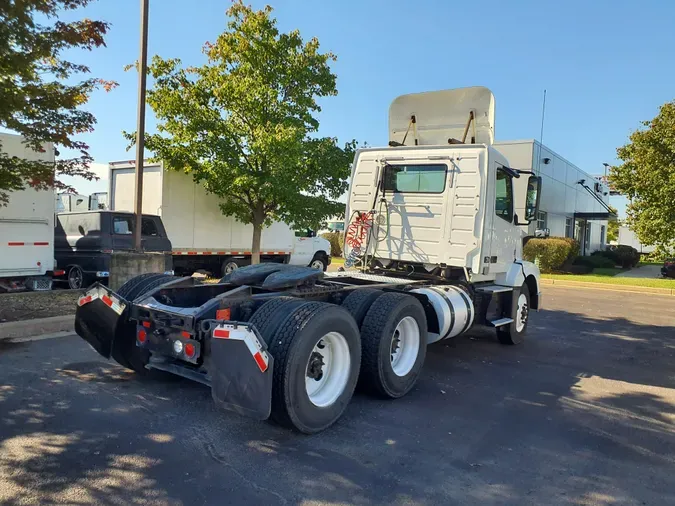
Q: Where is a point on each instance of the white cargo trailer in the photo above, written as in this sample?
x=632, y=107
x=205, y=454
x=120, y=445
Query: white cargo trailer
x=201, y=236
x=26, y=227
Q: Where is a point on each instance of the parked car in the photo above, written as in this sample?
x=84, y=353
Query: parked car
x=84, y=242
x=668, y=269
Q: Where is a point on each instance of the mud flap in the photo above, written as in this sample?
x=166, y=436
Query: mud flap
x=241, y=370
x=99, y=311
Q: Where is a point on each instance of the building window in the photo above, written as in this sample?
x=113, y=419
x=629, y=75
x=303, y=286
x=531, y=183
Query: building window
x=602, y=236
x=504, y=196
x=568, y=227
x=541, y=220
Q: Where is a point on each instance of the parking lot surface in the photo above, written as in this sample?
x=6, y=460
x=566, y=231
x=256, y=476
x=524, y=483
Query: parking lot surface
x=582, y=413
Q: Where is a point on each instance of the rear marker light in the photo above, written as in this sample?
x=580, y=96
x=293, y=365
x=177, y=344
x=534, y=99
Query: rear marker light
x=146, y=325
x=223, y=314
x=142, y=336
x=178, y=346
x=190, y=350
x=185, y=334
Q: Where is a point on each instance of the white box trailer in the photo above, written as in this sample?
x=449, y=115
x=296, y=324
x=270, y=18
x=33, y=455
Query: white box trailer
x=26, y=227
x=202, y=237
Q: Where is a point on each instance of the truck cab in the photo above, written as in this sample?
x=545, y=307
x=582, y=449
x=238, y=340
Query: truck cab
x=440, y=200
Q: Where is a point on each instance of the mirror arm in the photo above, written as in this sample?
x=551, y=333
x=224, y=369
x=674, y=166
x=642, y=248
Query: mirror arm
x=517, y=222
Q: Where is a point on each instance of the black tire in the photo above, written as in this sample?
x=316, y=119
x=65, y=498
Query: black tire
x=359, y=301
x=77, y=279
x=292, y=346
x=131, y=288
x=271, y=315
x=377, y=338
x=228, y=265
x=319, y=258
x=510, y=334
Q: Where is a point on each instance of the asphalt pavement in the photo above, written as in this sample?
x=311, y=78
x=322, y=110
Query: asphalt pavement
x=582, y=413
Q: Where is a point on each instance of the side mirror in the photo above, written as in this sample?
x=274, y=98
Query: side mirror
x=532, y=198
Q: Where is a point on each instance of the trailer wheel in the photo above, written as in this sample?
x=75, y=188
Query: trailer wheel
x=317, y=354
x=229, y=266
x=514, y=332
x=359, y=301
x=271, y=315
x=394, y=344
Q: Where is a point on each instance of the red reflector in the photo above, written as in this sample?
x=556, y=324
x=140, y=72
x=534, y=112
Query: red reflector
x=185, y=334
x=85, y=300
x=260, y=361
x=189, y=350
x=107, y=300
x=223, y=334
x=142, y=336
x=146, y=325
x=59, y=273
x=223, y=314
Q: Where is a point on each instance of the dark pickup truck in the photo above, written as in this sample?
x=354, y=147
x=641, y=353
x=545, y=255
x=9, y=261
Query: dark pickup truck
x=84, y=242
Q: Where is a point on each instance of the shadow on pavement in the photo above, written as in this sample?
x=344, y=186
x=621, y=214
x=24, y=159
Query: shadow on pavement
x=583, y=413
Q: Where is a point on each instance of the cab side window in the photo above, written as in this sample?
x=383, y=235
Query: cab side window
x=504, y=196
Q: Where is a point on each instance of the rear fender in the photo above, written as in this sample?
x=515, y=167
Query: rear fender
x=100, y=313
x=240, y=368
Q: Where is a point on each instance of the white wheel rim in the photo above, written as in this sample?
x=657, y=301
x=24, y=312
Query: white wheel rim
x=521, y=315
x=327, y=371
x=405, y=346
x=317, y=264
x=232, y=266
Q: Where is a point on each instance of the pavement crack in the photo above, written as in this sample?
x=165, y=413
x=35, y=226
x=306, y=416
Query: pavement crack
x=215, y=455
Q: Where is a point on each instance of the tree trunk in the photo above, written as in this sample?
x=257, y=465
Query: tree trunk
x=255, y=247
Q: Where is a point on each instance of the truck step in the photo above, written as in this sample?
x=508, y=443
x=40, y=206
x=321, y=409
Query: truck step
x=494, y=289
x=501, y=321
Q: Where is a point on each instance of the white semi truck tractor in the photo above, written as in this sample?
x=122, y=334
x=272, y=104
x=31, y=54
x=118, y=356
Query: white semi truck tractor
x=434, y=242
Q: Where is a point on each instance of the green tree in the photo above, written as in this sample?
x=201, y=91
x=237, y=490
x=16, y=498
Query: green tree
x=244, y=124
x=37, y=96
x=647, y=178
x=613, y=227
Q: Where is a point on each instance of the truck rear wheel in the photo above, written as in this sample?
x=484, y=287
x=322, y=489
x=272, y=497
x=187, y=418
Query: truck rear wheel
x=394, y=345
x=359, y=301
x=317, y=354
x=271, y=315
x=514, y=332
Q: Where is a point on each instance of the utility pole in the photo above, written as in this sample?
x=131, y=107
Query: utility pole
x=140, y=124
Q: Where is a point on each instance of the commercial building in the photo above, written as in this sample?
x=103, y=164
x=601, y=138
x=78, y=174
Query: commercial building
x=570, y=204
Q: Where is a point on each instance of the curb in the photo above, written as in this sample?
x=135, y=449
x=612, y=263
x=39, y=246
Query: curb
x=38, y=327
x=608, y=287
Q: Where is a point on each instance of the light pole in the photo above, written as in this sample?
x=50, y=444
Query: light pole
x=607, y=166
x=140, y=124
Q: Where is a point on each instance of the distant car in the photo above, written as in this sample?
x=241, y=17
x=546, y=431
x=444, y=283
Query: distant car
x=668, y=269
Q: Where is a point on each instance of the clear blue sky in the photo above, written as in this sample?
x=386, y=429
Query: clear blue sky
x=606, y=64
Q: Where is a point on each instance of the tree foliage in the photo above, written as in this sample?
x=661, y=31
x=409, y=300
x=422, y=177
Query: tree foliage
x=244, y=124
x=647, y=178
x=38, y=98
x=613, y=227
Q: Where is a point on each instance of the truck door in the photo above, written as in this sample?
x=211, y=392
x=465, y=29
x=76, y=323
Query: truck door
x=303, y=248
x=502, y=229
